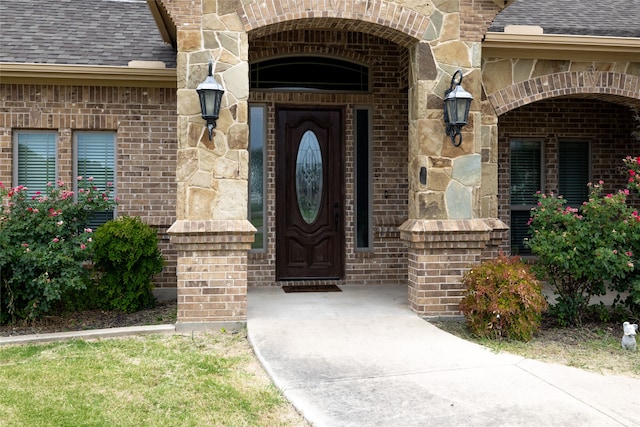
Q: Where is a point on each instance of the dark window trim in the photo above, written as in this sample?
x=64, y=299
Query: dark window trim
x=368, y=186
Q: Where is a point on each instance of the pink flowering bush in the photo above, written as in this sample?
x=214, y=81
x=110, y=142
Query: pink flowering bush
x=583, y=251
x=44, y=243
x=632, y=284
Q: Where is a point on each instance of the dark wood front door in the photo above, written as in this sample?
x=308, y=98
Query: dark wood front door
x=309, y=200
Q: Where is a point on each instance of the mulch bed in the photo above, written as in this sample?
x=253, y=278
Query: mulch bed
x=162, y=313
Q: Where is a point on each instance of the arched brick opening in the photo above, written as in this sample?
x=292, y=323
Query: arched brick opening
x=329, y=51
x=381, y=49
x=589, y=107
x=606, y=86
x=387, y=20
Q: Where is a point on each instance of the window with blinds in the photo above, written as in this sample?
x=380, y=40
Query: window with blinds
x=95, y=158
x=573, y=173
x=526, y=180
x=35, y=160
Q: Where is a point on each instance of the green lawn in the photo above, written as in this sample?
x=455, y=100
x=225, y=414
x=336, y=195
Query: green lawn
x=161, y=380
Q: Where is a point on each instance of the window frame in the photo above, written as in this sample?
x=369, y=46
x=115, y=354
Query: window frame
x=523, y=207
x=369, y=173
x=587, y=143
x=16, y=159
x=260, y=231
x=293, y=61
x=76, y=167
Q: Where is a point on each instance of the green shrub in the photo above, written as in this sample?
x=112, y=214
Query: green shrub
x=44, y=243
x=126, y=256
x=503, y=299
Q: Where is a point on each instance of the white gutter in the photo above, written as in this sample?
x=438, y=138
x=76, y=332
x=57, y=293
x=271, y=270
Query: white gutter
x=142, y=75
x=555, y=46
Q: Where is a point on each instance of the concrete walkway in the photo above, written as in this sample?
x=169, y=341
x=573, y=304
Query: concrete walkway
x=361, y=358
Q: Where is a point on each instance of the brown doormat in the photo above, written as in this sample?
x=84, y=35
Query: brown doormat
x=310, y=288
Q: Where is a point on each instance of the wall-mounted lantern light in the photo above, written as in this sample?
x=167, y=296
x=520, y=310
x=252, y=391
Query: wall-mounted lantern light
x=456, y=108
x=210, y=93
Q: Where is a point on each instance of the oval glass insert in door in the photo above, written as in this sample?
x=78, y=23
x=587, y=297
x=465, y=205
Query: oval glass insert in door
x=309, y=177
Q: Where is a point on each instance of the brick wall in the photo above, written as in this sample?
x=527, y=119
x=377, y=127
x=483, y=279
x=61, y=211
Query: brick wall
x=606, y=126
x=387, y=262
x=185, y=13
x=475, y=18
x=144, y=120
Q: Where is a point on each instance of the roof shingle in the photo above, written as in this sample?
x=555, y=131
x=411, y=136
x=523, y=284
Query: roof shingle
x=615, y=18
x=80, y=32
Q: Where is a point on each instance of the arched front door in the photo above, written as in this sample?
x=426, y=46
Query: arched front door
x=309, y=194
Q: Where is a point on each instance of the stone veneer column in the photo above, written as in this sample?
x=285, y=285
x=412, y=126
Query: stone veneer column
x=212, y=234
x=440, y=252
x=450, y=188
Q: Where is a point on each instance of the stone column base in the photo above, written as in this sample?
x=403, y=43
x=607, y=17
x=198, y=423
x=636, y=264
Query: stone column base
x=439, y=253
x=212, y=270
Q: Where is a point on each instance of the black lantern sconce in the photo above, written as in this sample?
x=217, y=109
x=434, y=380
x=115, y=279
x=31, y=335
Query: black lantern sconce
x=456, y=108
x=210, y=93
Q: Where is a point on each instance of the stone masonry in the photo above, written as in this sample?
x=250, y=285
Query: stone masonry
x=439, y=38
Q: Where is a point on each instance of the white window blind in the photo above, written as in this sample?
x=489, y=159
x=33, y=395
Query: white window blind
x=35, y=160
x=95, y=158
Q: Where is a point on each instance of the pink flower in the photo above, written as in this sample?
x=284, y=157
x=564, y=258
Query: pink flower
x=83, y=246
x=88, y=230
x=56, y=240
x=79, y=178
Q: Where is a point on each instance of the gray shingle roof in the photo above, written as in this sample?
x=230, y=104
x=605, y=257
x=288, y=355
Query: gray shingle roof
x=80, y=32
x=617, y=18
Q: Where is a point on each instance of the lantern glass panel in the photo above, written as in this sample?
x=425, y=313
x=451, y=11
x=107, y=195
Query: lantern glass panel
x=462, y=107
x=210, y=100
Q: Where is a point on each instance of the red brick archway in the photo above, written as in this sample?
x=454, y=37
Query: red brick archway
x=391, y=21
x=603, y=85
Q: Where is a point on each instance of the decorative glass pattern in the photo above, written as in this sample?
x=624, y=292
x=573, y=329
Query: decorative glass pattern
x=309, y=177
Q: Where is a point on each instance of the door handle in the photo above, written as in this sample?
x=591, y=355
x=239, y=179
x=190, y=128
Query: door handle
x=336, y=214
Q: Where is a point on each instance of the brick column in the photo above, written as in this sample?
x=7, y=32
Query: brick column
x=212, y=272
x=440, y=252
